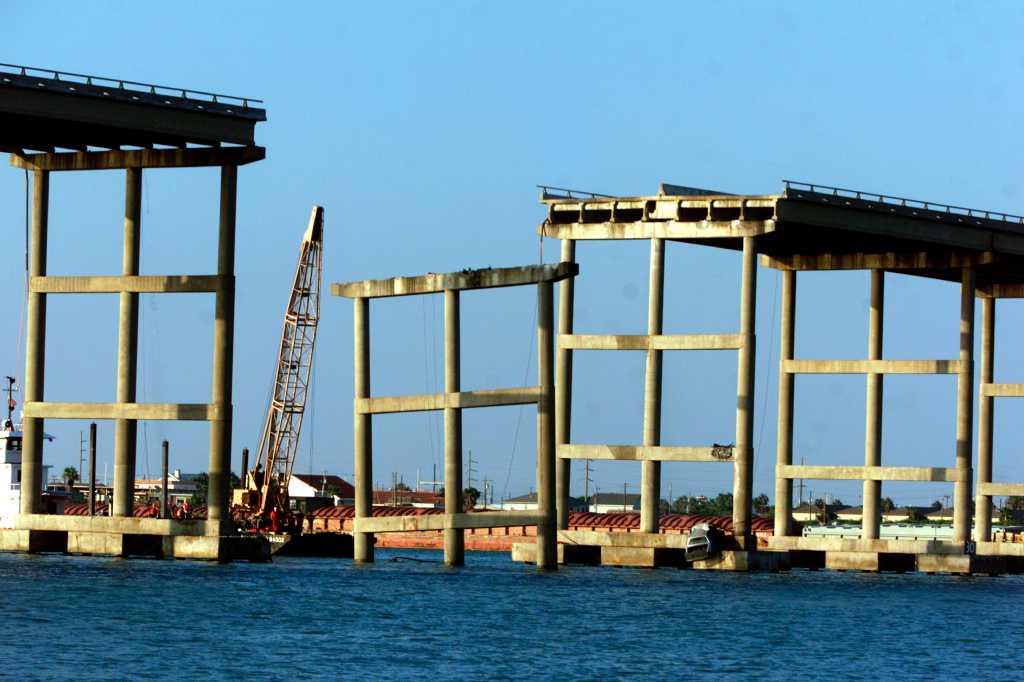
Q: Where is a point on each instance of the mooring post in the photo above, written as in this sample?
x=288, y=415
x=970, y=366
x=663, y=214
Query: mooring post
x=35, y=350
x=547, y=532
x=244, y=473
x=563, y=389
x=92, y=469
x=784, y=450
x=743, y=466
x=223, y=342
x=650, y=472
x=983, y=503
x=362, y=430
x=126, y=430
x=871, y=514
x=164, y=463
x=454, y=538
x=964, y=410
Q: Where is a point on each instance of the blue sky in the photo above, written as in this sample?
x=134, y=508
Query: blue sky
x=423, y=128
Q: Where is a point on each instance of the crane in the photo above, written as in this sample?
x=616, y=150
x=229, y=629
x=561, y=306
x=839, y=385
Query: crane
x=267, y=483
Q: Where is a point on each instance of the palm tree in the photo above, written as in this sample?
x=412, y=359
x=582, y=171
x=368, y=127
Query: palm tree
x=70, y=476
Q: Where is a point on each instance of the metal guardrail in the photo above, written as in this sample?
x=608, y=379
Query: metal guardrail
x=568, y=193
x=153, y=89
x=903, y=202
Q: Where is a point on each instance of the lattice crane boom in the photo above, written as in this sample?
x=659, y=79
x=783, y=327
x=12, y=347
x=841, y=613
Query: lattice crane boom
x=280, y=439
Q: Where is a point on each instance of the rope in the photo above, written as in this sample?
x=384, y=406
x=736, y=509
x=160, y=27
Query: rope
x=519, y=414
x=768, y=366
x=24, y=302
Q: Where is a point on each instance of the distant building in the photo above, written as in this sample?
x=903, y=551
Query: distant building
x=850, y=514
x=521, y=503
x=323, y=486
x=604, y=503
x=180, y=487
x=419, y=499
x=809, y=513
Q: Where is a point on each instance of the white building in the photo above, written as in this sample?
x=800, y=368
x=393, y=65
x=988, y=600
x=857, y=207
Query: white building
x=609, y=503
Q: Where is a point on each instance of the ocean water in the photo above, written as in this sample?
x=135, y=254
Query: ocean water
x=83, y=618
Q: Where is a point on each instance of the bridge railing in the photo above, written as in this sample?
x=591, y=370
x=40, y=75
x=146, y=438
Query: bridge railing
x=901, y=201
x=152, y=88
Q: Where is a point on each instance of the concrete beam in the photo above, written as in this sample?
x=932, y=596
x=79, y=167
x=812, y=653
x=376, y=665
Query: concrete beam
x=435, y=522
x=866, y=473
x=991, y=390
x=1000, y=291
x=155, y=411
x=645, y=342
x=138, y=284
x=194, y=157
x=645, y=453
x=525, y=395
x=871, y=366
x=670, y=229
x=466, y=280
x=917, y=260
x=1001, y=489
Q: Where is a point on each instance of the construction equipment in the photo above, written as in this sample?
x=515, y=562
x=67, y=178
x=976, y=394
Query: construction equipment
x=266, y=485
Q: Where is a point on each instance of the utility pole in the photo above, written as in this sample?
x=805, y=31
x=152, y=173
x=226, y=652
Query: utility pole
x=586, y=484
x=801, y=486
x=624, y=487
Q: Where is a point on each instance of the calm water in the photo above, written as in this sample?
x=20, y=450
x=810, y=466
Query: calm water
x=85, y=618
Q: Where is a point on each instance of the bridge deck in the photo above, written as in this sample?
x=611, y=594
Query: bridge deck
x=808, y=227
x=46, y=110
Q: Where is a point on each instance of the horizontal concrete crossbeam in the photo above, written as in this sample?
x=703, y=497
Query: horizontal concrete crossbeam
x=1002, y=390
x=1002, y=489
x=871, y=366
x=650, y=453
x=606, y=539
x=137, y=284
x=670, y=229
x=650, y=342
x=465, y=280
x=1001, y=291
x=398, y=524
x=867, y=473
x=440, y=401
x=193, y=157
x=155, y=411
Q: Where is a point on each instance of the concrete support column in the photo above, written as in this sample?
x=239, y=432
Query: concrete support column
x=784, y=449
x=563, y=388
x=983, y=503
x=126, y=430
x=743, y=466
x=547, y=534
x=964, y=410
x=650, y=479
x=92, y=469
x=223, y=344
x=871, y=517
x=363, y=432
x=35, y=350
x=454, y=538
x=165, y=462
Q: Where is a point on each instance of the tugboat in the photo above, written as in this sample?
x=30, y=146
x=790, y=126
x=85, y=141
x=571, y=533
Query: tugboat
x=10, y=461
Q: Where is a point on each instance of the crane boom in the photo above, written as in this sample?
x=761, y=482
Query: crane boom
x=280, y=439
